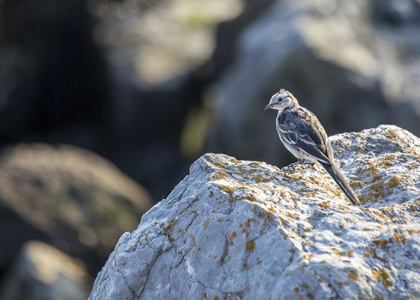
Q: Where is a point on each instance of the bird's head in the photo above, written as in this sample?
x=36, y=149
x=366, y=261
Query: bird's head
x=281, y=100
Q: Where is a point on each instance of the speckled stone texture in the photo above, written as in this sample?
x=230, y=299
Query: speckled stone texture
x=247, y=230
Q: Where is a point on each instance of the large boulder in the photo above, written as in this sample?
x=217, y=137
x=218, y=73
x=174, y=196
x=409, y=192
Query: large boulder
x=68, y=197
x=248, y=230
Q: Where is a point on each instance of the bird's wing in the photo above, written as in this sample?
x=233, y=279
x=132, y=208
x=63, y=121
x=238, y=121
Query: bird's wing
x=308, y=137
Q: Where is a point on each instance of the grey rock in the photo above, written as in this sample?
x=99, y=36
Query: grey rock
x=343, y=60
x=41, y=272
x=248, y=230
x=66, y=196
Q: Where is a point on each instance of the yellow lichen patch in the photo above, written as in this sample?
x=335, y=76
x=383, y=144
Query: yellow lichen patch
x=206, y=223
x=388, y=159
x=390, y=135
x=170, y=229
x=283, y=221
x=337, y=251
x=376, y=178
x=272, y=209
x=231, y=237
x=381, y=243
x=308, y=256
x=376, y=191
x=247, y=223
x=371, y=252
x=364, y=199
x=399, y=237
x=342, y=207
x=234, y=160
x=260, y=178
x=394, y=182
x=372, y=170
x=376, y=186
x=382, y=275
x=380, y=214
x=221, y=165
x=255, y=209
x=296, y=289
x=227, y=189
x=293, y=215
x=414, y=206
x=356, y=183
x=217, y=175
x=324, y=204
x=250, y=246
x=353, y=276
x=413, y=165
x=249, y=197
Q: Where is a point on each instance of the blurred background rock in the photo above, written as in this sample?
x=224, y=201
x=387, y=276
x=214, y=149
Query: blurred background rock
x=141, y=88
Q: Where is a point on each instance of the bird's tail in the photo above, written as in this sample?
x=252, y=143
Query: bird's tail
x=341, y=181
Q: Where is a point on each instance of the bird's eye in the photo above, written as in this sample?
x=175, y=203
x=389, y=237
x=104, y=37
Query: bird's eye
x=281, y=97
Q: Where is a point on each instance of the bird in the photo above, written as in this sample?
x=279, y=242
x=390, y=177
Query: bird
x=303, y=135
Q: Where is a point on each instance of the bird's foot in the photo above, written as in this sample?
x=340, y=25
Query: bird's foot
x=299, y=163
x=295, y=163
x=290, y=168
x=307, y=162
x=303, y=162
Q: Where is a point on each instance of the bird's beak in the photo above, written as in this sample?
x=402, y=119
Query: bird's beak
x=268, y=106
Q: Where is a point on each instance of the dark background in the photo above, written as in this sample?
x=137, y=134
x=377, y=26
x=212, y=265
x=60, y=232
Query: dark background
x=151, y=85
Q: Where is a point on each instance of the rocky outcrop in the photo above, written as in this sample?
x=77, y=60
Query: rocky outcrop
x=248, y=230
x=68, y=197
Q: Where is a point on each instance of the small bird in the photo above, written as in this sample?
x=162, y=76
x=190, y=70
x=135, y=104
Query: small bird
x=303, y=135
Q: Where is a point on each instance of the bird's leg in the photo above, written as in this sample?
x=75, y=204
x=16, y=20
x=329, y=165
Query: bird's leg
x=303, y=161
x=299, y=161
x=306, y=162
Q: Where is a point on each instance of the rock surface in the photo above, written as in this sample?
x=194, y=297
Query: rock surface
x=248, y=230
